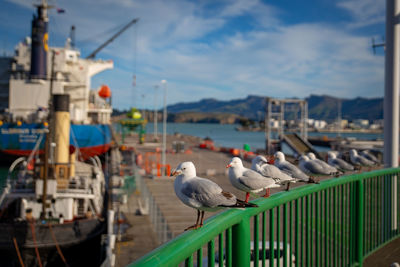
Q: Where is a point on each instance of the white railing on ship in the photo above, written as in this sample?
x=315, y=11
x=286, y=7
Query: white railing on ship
x=148, y=205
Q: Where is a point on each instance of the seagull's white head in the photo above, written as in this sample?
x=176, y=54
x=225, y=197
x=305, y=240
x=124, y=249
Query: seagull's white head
x=353, y=152
x=235, y=162
x=311, y=155
x=331, y=155
x=259, y=159
x=304, y=158
x=279, y=156
x=186, y=168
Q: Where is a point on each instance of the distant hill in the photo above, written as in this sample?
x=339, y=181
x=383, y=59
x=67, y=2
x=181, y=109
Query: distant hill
x=321, y=107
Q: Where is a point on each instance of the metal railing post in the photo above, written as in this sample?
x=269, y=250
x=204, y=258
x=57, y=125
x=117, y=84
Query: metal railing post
x=241, y=243
x=360, y=222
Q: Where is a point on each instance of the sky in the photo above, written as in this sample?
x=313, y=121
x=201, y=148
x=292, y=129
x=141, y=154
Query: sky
x=225, y=49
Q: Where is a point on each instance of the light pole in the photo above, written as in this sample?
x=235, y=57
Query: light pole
x=155, y=114
x=163, y=158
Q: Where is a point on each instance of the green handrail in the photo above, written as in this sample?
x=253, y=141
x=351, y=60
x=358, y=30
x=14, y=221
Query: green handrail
x=333, y=231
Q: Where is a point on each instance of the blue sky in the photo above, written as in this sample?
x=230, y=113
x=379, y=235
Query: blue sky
x=224, y=49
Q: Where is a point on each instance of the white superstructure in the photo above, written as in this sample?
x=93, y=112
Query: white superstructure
x=28, y=98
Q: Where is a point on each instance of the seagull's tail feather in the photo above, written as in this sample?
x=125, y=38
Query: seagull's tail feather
x=243, y=204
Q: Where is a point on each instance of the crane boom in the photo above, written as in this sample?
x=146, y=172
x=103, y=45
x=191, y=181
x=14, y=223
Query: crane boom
x=94, y=53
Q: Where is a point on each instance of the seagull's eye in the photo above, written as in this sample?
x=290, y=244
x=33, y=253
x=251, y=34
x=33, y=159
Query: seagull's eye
x=183, y=168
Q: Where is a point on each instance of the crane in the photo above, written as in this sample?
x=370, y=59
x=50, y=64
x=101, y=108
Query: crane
x=94, y=53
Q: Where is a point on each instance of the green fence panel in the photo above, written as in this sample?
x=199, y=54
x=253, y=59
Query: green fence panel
x=338, y=222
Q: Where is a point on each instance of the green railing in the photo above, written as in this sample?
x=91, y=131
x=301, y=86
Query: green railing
x=338, y=222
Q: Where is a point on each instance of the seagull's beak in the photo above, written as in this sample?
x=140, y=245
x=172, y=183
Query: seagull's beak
x=176, y=172
x=228, y=166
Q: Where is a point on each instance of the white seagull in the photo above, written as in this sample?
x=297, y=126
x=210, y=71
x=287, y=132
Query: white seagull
x=368, y=155
x=261, y=165
x=339, y=164
x=248, y=180
x=202, y=194
x=359, y=160
x=289, y=168
x=311, y=167
x=324, y=165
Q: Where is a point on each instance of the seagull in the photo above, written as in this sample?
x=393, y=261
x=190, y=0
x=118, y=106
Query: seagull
x=324, y=165
x=260, y=164
x=368, y=155
x=312, y=167
x=289, y=168
x=202, y=194
x=339, y=163
x=359, y=160
x=248, y=180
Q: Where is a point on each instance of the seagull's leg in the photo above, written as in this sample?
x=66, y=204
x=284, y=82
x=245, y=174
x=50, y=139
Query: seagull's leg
x=202, y=219
x=195, y=226
x=288, y=185
x=247, y=197
x=267, y=193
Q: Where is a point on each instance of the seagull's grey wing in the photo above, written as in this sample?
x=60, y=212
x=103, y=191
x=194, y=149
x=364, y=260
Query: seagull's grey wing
x=341, y=164
x=315, y=168
x=208, y=193
x=254, y=180
x=326, y=165
x=364, y=161
x=292, y=170
x=272, y=171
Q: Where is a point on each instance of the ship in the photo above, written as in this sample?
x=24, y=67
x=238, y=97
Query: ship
x=53, y=208
x=32, y=75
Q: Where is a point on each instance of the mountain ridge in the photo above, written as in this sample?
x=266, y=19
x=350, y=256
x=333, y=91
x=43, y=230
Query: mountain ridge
x=320, y=107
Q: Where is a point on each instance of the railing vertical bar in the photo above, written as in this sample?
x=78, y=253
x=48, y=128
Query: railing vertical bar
x=189, y=261
x=228, y=247
x=326, y=229
x=334, y=221
x=307, y=230
x=285, y=241
x=271, y=237
x=366, y=216
x=255, y=242
x=398, y=203
x=221, y=249
x=371, y=218
x=312, y=218
x=278, y=237
x=380, y=201
x=211, y=253
x=241, y=243
x=296, y=231
x=264, y=233
x=317, y=222
x=371, y=210
x=360, y=223
x=384, y=208
x=321, y=226
x=346, y=214
x=200, y=257
x=351, y=210
x=302, y=232
x=374, y=211
x=291, y=232
x=342, y=228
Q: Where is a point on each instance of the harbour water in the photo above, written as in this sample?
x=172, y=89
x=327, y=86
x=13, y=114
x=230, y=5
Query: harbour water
x=225, y=135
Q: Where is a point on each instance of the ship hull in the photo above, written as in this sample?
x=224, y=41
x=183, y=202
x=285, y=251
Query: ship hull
x=78, y=241
x=16, y=141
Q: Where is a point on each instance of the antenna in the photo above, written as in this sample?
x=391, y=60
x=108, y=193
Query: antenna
x=72, y=36
x=375, y=45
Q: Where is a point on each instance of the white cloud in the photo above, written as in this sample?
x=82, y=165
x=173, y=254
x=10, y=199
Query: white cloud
x=364, y=12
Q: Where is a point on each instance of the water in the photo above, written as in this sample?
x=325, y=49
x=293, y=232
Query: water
x=225, y=135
